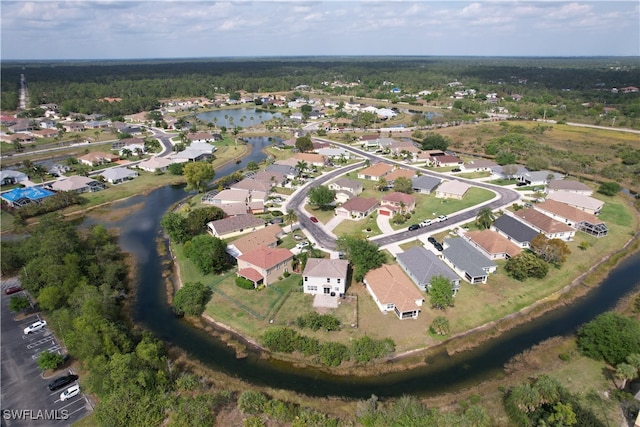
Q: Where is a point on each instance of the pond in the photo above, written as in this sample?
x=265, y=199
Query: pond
x=242, y=117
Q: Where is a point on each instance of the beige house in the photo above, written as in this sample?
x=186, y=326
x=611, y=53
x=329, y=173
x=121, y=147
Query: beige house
x=357, y=208
x=396, y=202
x=452, y=189
x=264, y=265
x=235, y=226
x=375, y=172
x=98, y=158
x=546, y=225
x=393, y=291
x=492, y=244
x=579, y=201
x=267, y=237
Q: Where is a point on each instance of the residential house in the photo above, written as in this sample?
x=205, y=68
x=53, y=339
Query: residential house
x=570, y=186
x=78, y=183
x=264, y=265
x=122, y=143
x=235, y=226
x=446, y=161
x=201, y=137
x=375, y=171
x=267, y=237
x=10, y=177
x=22, y=196
x=22, y=138
x=498, y=172
x=288, y=172
x=155, y=164
x=421, y=265
x=492, y=244
x=399, y=173
x=196, y=152
x=514, y=230
x=357, y=208
x=580, y=201
x=22, y=126
x=118, y=175
x=452, y=189
x=45, y=133
x=425, y=184
x=393, y=291
x=98, y=158
x=396, y=202
x=466, y=261
x=478, y=165
x=276, y=179
x=538, y=177
x=311, y=159
x=573, y=217
x=546, y=225
x=97, y=124
x=259, y=189
x=345, y=189
x=73, y=127
x=325, y=276
x=334, y=153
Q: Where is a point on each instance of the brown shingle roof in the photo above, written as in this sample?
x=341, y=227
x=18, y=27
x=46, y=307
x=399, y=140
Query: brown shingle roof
x=398, y=197
x=392, y=286
x=565, y=211
x=568, y=185
x=360, y=204
x=541, y=221
x=400, y=173
x=265, y=258
x=267, y=236
x=494, y=243
x=379, y=169
x=235, y=223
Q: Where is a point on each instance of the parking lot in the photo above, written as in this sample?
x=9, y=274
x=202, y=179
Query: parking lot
x=26, y=399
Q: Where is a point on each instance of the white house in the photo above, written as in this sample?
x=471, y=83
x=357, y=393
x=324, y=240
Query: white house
x=325, y=276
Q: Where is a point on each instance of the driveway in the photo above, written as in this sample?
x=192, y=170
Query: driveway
x=384, y=224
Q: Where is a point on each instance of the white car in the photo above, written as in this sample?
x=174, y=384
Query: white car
x=442, y=218
x=70, y=392
x=302, y=245
x=426, y=223
x=36, y=326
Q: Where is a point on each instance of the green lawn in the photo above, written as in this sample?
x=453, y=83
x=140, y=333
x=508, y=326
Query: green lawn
x=503, y=181
x=6, y=221
x=474, y=175
x=359, y=227
x=323, y=216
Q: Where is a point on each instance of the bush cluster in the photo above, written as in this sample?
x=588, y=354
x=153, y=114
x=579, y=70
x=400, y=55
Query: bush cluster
x=315, y=322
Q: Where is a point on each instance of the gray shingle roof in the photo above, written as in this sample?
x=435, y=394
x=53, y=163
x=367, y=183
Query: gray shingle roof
x=465, y=257
x=421, y=265
x=425, y=182
x=517, y=230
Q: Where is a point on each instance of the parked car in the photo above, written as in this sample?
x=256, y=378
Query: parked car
x=12, y=290
x=277, y=220
x=442, y=218
x=414, y=227
x=313, y=219
x=58, y=383
x=36, y=326
x=302, y=245
x=432, y=240
x=456, y=170
x=74, y=390
x=426, y=223
x=438, y=246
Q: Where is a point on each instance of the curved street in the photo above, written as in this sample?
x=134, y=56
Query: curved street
x=504, y=197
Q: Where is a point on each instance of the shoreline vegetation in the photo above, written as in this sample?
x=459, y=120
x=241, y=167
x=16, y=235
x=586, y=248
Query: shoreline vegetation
x=414, y=358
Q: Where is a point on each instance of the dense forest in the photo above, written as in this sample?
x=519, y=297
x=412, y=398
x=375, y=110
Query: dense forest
x=79, y=86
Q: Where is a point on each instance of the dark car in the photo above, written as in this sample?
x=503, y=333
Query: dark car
x=313, y=219
x=58, y=383
x=12, y=290
x=414, y=227
x=438, y=246
x=277, y=220
x=432, y=240
x=456, y=170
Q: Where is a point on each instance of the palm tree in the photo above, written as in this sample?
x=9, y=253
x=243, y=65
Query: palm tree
x=625, y=372
x=382, y=183
x=126, y=153
x=485, y=218
x=302, y=166
x=290, y=217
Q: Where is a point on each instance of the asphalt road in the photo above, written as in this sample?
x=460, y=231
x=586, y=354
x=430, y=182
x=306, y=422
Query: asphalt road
x=26, y=400
x=506, y=196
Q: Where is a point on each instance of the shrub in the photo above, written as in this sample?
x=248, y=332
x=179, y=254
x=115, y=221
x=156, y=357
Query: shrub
x=283, y=340
x=252, y=402
x=19, y=303
x=243, y=283
x=333, y=353
x=192, y=298
x=49, y=360
x=315, y=322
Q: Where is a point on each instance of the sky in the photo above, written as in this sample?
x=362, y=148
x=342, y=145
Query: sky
x=57, y=30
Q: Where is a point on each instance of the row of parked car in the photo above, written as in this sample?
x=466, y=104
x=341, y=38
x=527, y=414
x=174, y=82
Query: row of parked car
x=428, y=222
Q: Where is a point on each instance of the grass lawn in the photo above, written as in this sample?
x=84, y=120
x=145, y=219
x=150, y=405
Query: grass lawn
x=359, y=227
x=429, y=207
x=6, y=221
x=323, y=216
x=503, y=181
x=474, y=175
x=278, y=153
